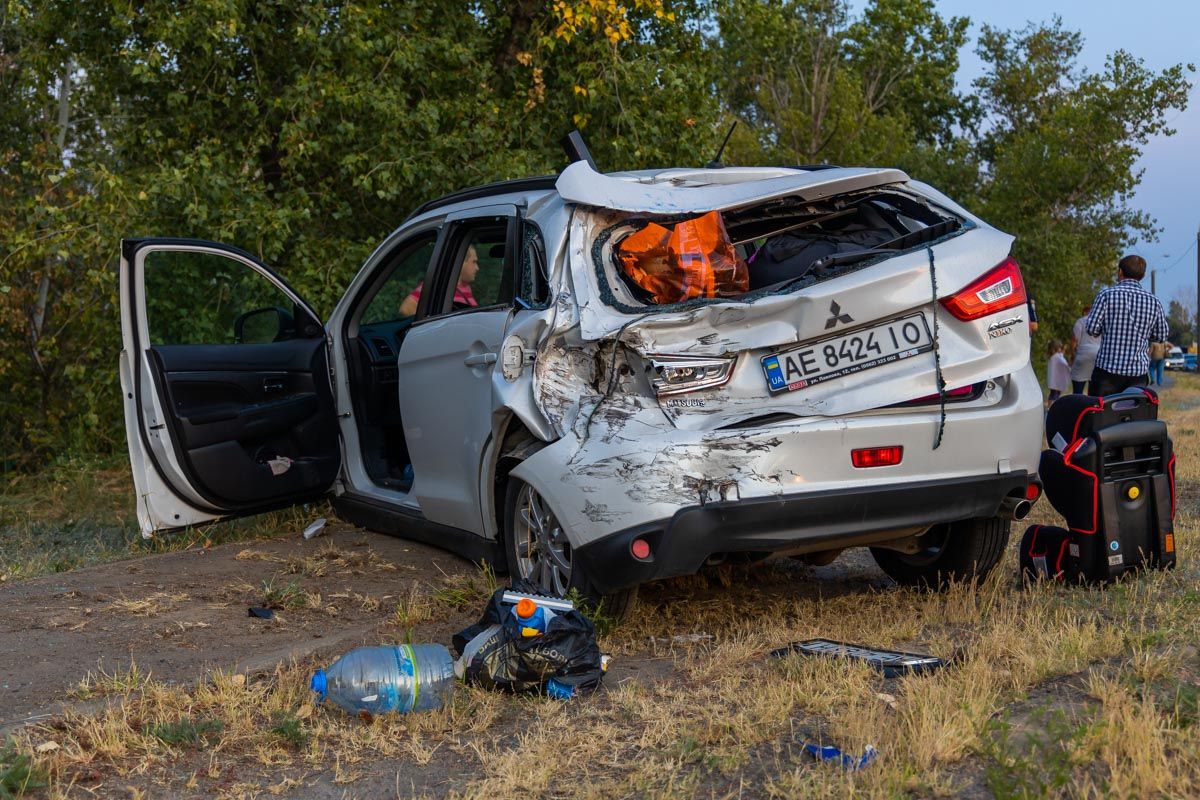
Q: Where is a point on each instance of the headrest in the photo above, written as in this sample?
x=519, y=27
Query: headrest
x=1075, y=415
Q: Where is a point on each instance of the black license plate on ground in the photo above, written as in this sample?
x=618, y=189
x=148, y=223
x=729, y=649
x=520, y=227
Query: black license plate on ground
x=846, y=354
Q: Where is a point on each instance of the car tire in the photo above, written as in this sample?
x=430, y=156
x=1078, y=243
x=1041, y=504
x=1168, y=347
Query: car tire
x=957, y=551
x=536, y=549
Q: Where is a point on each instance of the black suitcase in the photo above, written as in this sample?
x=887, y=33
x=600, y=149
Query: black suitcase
x=1112, y=477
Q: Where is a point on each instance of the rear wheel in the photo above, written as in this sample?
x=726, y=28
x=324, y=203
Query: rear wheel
x=538, y=550
x=955, y=551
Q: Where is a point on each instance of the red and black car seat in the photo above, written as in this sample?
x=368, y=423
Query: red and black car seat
x=1110, y=472
x=1044, y=554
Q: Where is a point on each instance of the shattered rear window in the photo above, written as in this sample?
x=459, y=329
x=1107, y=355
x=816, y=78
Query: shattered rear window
x=776, y=246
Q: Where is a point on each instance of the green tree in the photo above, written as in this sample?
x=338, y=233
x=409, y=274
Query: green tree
x=1057, y=150
x=301, y=130
x=1182, y=323
x=816, y=84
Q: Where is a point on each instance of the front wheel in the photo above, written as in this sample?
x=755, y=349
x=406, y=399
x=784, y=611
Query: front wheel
x=957, y=551
x=538, y=550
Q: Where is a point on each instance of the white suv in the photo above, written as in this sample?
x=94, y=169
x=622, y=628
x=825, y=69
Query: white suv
x=596, y=380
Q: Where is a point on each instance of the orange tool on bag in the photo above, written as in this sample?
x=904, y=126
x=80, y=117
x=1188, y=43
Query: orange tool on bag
x=693, y=258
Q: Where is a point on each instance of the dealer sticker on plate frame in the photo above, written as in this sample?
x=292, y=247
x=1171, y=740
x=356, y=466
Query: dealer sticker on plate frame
x=847, y=353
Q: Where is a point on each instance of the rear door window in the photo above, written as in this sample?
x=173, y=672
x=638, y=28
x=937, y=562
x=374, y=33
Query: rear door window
x=478, y=267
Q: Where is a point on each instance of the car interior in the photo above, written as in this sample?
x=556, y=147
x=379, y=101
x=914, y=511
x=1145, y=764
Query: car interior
x=782, y=244
x=376, y=328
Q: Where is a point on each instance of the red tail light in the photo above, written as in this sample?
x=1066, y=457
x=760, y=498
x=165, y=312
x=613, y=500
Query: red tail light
x=961, y=393
x=876, y=456
x=999, y=288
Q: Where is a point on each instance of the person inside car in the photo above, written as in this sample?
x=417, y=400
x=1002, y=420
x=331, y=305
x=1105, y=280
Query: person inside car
x=462, y=292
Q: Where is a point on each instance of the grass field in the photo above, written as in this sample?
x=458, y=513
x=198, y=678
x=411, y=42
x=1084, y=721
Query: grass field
x=1053, y=691
x=78, y=512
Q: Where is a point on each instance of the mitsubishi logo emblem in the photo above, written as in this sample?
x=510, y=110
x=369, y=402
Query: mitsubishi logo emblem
x=836, y=316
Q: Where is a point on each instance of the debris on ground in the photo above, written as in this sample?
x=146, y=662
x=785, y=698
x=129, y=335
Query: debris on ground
x=378, y=680
x=830, y=753
x=892, y=663
x=527, y=642
x=259, y=612
x=315, y=528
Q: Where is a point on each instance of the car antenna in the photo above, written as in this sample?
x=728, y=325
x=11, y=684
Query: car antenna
x=577, y=149
x=716, y=162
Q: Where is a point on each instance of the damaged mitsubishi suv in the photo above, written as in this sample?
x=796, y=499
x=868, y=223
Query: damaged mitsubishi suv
x=597, y=380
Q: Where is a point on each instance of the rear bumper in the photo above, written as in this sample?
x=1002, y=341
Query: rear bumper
x=681, y=544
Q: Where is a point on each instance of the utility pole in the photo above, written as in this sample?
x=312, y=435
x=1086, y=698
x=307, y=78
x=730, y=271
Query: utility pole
x=1197, y=339
x=1153, y=283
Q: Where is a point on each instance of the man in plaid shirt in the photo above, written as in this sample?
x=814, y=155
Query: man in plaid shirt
x=1128, y=318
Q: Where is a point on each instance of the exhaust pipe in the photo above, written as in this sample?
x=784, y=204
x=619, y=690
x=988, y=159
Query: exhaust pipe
x=1015, y=508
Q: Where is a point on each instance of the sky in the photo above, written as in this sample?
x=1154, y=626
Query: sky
x=1162, y=33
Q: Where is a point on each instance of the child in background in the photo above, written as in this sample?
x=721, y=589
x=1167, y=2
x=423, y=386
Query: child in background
x=1058, y=372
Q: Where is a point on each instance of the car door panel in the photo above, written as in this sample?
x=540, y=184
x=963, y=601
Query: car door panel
x=446, y=369
x=446, y=363
x=223, y=429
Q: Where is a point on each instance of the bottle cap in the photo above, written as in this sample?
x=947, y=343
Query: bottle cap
x=319, y=683
x=526, y=608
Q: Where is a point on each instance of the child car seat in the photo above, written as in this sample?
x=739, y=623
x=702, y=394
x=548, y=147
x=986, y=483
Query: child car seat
x=1111, y=473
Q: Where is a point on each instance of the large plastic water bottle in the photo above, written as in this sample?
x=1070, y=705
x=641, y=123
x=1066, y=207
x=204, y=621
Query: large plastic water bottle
x=406, y=677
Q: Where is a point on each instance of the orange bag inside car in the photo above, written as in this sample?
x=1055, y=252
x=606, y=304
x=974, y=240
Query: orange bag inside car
x=692, y=258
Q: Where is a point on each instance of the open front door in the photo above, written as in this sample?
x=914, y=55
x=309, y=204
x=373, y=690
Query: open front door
x=228, y=405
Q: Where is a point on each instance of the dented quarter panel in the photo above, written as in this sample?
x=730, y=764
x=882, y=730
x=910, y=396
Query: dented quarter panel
x=529, y=329
x=626, y=469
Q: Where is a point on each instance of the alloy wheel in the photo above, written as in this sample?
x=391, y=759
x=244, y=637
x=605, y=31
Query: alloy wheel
x=543, y=552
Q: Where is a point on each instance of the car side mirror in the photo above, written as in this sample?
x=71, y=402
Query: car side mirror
x=263, y=325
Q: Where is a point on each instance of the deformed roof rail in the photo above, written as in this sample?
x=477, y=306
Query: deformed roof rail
x=534, y=184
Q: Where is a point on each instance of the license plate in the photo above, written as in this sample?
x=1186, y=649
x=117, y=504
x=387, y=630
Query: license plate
x=856, y=351
x=892, y=663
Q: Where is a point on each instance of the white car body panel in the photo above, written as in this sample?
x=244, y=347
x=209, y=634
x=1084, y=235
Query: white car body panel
x=699, y=191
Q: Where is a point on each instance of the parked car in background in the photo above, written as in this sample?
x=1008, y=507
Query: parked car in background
x=1189, y=362
x=596, y=380
x=1174, y=358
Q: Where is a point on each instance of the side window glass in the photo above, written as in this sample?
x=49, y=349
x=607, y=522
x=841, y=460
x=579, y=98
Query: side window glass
x=398, y=296
x=480, y=273
x=207, y=298
x=535, y=271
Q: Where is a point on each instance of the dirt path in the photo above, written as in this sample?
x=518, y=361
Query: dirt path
x=179, y=615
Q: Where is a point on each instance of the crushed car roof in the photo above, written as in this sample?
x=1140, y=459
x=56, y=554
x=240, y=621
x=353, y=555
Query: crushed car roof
x=693, y=191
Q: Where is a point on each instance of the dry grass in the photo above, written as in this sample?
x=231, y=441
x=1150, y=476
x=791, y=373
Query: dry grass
x=149, y=606
x=1053, y=691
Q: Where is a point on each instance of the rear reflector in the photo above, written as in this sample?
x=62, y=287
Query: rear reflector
x=876, y=456
x=998, y=289
x=1033, y=492
x=640, y=549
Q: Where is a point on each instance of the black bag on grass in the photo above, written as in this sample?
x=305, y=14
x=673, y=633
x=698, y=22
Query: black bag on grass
x=504, y=659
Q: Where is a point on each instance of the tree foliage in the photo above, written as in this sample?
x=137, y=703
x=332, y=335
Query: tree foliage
x=305, y=130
